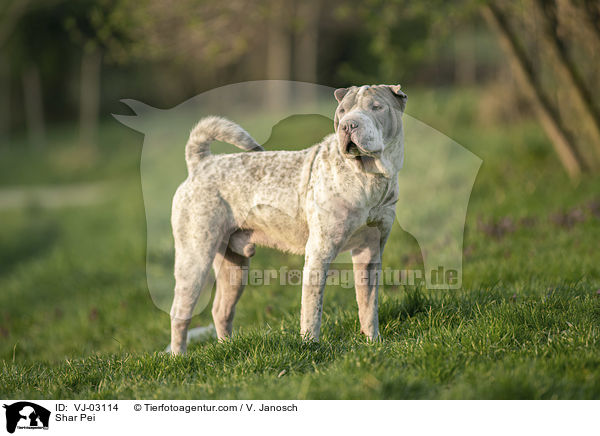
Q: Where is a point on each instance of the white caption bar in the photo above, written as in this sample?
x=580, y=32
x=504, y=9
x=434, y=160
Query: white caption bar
x=158, y=417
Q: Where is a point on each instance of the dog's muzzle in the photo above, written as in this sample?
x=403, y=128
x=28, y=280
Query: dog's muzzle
x=351, y=148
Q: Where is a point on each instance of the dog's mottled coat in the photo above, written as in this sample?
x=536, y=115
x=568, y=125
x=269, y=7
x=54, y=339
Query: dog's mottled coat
x=337, y=195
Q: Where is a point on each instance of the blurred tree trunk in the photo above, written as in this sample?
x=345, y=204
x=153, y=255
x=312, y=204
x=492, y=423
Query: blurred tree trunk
x=546, y=113
x=465, y=69
x=34, y=106
x=10, y=16
x=4, y=102
x=592, y=15
x=279, y=56
x=306, y=42
x=465, y=62
x=553, y=45
x=89, y=103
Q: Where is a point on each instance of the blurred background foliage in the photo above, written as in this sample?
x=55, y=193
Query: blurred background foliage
x=65, y=60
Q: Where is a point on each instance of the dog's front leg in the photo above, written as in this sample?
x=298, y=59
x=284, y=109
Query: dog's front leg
x=367, y=266
x=318, y=256
x=366, y=260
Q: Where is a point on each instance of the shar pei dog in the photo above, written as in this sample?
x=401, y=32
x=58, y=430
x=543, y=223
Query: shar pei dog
x=337, y=195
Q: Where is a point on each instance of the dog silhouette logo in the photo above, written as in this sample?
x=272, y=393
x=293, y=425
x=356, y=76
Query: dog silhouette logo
x=435, y=181
x=26, y=415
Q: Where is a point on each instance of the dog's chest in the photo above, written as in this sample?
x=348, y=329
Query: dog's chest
x=277, y=227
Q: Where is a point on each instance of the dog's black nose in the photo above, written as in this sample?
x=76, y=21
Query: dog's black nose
x=350, y=125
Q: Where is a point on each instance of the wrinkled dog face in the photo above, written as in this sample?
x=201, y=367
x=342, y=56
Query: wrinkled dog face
x=367, y=120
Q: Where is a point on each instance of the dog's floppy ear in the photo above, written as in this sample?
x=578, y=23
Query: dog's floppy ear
x=402, y=97
x=340, y=93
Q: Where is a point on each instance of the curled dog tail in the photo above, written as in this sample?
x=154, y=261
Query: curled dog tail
x=210, y=129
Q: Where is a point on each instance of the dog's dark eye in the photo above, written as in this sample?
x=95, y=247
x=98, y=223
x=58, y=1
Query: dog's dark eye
x=376, y=107
x=342, y=110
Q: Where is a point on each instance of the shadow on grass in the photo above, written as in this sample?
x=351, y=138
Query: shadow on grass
x=413, y=303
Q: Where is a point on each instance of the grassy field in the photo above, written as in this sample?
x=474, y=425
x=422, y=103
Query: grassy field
x=76, y=319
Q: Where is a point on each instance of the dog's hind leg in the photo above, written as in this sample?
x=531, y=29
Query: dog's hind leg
x=195, y=250
x=231, y=270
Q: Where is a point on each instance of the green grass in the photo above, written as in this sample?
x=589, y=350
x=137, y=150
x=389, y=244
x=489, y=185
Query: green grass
x=76, y=319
